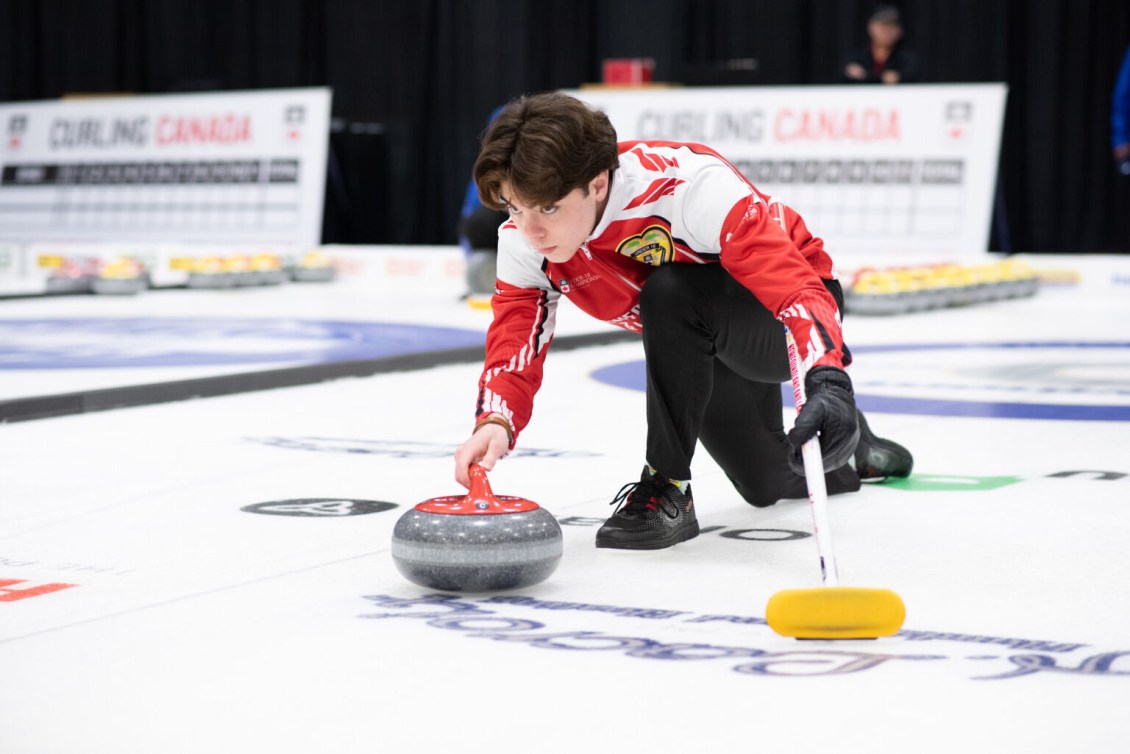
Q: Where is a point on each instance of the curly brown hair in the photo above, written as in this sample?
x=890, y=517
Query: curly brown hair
x=544, y=146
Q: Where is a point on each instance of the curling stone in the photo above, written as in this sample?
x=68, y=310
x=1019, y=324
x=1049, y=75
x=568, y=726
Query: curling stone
x=478, y=542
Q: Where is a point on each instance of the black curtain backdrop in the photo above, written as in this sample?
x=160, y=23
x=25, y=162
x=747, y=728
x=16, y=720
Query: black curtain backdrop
x=415, y=80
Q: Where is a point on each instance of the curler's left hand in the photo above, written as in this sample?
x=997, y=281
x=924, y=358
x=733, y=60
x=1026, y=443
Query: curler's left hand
x=829, y=410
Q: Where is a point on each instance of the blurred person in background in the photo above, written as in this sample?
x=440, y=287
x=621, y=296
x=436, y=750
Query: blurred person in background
x=1120, y=117
x=886, y=59
x=478, y=236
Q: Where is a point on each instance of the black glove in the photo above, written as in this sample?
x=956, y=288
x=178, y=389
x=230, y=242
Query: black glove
x=829, y=409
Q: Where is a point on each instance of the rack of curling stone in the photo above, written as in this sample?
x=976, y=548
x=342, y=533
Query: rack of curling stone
x=900, y=290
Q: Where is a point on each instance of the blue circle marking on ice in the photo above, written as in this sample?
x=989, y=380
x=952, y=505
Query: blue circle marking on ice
x=925, y=393
x=111, y=343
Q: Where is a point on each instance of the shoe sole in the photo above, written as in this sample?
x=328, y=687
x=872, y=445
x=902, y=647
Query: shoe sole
x=680, y=536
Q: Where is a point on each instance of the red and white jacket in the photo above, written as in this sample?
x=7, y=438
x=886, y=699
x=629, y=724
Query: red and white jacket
x=669, y=203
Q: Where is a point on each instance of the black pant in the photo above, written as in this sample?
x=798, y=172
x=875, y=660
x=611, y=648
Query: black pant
x=716, y=359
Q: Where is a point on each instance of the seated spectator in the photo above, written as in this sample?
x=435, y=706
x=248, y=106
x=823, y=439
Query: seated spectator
x=886, y=59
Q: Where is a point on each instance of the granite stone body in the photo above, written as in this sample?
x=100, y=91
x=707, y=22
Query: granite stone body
x=478, y=542
x=477, y=553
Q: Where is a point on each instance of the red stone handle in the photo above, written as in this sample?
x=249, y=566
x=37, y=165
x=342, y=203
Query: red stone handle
x=480, y=500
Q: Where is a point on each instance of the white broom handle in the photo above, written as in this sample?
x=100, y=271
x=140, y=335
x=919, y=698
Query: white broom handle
x=814, y=475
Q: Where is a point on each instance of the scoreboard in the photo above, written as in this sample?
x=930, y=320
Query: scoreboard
x=904, y=173
x=160, y=180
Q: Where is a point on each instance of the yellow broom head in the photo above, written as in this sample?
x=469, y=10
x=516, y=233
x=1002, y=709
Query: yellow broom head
x=835, y=613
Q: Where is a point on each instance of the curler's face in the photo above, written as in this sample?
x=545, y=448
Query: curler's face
x=558, y=229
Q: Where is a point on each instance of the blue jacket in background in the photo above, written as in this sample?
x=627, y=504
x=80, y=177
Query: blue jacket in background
x=1120, y=105
x=471, y=198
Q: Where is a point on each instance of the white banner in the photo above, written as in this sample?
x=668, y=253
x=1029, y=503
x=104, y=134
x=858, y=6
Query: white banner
x=904, y=171
x=219, y=168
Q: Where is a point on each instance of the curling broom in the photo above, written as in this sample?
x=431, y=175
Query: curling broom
x=829, y=611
